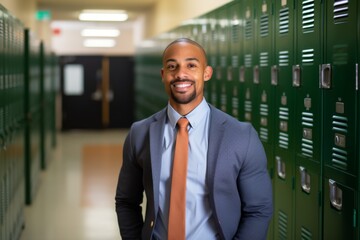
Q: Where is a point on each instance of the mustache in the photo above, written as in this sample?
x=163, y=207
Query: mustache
x=181, y=81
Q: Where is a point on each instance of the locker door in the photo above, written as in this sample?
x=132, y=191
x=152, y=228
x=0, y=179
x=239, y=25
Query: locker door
x=263, y=92
x=246, y=78
x=222, y=78
x=338, y=83
x=235, y=54
x=284, y=120
x=308, y=56
x=213, y=59
x=2, y=132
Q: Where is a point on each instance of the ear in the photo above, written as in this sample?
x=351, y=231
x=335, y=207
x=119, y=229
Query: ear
x=162, y=74
x=208, y=73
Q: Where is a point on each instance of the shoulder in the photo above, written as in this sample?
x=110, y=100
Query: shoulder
x=146, y=122
x=229, y=122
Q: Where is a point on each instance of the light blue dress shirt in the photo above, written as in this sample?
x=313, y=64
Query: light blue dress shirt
x=199, y=220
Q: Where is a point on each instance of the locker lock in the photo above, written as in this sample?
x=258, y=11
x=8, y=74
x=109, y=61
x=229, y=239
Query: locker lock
x=340, y=140
x=242, y=74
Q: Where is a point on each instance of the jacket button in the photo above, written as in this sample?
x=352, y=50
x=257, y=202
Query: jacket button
x=151, y=223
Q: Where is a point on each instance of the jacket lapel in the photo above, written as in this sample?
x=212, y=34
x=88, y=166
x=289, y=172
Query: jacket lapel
x=216, y=133
x=156, y=143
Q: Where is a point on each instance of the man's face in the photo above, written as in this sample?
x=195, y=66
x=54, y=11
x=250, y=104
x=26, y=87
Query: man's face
x=184, y=73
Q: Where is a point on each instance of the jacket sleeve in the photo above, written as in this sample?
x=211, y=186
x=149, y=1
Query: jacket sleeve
x=129, y=194
x=255, y=192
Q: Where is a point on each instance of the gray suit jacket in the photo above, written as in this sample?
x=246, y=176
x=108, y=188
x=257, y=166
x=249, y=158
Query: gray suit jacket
x=237, y=178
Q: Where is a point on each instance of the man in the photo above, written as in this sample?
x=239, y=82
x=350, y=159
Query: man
x=228, y=189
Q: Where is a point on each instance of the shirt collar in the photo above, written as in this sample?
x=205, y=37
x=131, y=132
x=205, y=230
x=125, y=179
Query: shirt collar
x=194, y=116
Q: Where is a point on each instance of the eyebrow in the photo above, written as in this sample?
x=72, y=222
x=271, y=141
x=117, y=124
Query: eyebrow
x=187, y=59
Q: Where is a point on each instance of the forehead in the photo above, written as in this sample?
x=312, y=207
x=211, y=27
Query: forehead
x=183, y=50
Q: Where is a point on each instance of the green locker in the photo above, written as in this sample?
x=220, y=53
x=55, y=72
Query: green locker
x=338, y=84
x=246, y=71
x=32, y=113
x=2, y=130
x=284, y=120
x=223, y=79
x=263, y=92
x=212, y=51
x=235, y=39
x=308, y=57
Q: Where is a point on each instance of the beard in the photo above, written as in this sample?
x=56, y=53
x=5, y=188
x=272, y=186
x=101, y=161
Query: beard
x=183, y=98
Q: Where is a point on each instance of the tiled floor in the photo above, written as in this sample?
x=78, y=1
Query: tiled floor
x=75, y=200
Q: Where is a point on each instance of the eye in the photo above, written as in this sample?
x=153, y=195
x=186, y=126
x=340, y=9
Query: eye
x=192, y=65
x=171, y=67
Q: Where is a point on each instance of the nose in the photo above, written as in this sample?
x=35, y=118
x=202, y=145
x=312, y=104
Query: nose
x=180, y=73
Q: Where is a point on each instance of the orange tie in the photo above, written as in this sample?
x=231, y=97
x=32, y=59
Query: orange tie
x=176, y=228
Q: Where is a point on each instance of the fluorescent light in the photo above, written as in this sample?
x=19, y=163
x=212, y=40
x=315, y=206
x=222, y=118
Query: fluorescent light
x=102, y=43
x=103, y=15
x=100, y=32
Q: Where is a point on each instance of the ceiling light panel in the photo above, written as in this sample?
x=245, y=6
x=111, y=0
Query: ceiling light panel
x=103, y=15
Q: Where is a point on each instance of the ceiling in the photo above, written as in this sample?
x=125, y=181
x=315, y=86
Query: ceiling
x=69, y=9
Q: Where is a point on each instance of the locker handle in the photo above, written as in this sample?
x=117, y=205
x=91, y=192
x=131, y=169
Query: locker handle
x=256, y=74
x=335, y=195
x=305, y=180
x=280, y=168
x=242, y=74
x=296, y=75
x=274, y=75
x=325, y=76
x=229, y=73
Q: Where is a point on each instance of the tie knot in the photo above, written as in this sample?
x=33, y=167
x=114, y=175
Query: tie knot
x=183, y=122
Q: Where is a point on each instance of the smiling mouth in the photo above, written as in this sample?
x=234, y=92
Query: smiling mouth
x=181, y=85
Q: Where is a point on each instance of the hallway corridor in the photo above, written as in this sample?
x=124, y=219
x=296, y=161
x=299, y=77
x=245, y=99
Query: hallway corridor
x=75, y=200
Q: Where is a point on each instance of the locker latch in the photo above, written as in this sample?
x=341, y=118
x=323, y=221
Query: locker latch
x=335, y=195
x=296, y=75
x=274, y=75
x=280, y=168
x=325, y=76
x=305, y=180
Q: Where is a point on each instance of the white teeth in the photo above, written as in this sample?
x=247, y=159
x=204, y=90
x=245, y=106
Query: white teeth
x=182, y=85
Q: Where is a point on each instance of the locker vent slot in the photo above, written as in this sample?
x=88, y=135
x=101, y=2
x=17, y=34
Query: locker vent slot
x=284, y=21
x=213, y=94
x=284, y=58
x=307, y=144
x=339, y=124
x=305, y=234
x=235, y=61
x=340, y=54
x=283, y=134
x=308, y=56
x=283, y=223
x=248, y=29
x=264, y=132
x=223, y=61
x=248, y=60
x=235, y=106
x=248, y=106
x=264, y=59
x=339, y=154
x=235, y=31
x=308, y=14
x=341, y=11
x=264, y=25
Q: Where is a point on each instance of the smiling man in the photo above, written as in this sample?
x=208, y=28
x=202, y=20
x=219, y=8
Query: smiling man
x=226, y=190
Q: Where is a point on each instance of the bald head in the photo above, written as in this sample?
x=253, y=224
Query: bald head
x=186, y=40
